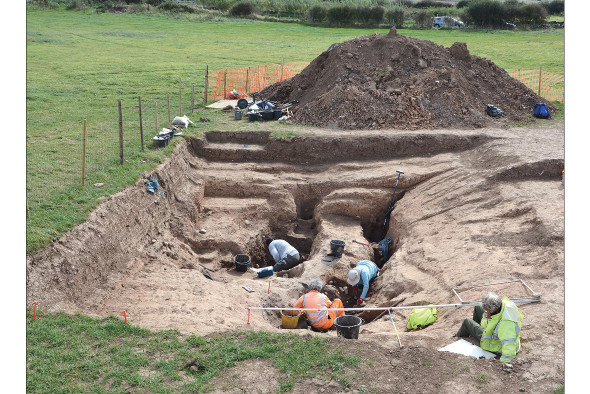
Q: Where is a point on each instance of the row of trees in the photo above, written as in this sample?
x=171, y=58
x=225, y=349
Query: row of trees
x=364, y=13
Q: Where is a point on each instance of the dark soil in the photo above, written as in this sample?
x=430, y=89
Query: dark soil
x=392, y=81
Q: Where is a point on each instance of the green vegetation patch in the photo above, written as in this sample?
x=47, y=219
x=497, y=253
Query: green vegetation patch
x=77, y=353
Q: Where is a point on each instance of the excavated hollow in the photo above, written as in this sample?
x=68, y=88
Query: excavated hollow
x=475, y=204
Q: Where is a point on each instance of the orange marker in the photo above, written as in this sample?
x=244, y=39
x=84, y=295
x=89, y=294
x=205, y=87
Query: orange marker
x=35, y=311
x=125, y=316
x=248, y=315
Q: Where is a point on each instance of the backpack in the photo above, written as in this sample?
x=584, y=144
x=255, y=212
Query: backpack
x=541, y=111
x=384, y=247
x=421, y=317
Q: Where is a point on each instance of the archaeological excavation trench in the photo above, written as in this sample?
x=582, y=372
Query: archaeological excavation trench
x=470, y=205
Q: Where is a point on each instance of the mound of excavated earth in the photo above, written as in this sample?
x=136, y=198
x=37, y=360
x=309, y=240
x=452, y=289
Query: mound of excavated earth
x=474, y=207
x=392, y=81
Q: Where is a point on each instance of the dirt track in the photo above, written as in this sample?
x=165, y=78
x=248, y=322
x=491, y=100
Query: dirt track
x=473, y=207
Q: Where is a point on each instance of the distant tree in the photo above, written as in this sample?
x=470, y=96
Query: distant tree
x=423, y=19
x=486, y=12
x=395, y=16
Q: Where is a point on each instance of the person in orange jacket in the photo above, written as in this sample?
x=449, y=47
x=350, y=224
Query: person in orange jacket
x=320, y=319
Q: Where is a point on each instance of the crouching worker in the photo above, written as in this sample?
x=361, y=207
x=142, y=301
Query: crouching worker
x=284, y=255
x=496, y=324
x=320, y=320
x=364, y=272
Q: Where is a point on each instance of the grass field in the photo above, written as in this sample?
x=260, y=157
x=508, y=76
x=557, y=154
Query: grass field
x=80, y=63
x=79, y=354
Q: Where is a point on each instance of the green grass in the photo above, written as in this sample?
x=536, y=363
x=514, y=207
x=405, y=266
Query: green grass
x=79, y=63
x=76, y=353
x=558, y=390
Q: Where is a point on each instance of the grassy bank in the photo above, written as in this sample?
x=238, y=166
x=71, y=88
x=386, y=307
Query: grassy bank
x=80, y=63
x=76, y=353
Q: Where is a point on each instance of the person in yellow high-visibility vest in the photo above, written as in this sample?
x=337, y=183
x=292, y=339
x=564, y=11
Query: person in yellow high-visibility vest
x=499, y=326
x=320, y=320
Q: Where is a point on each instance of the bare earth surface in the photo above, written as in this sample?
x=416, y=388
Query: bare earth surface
x=475, y=206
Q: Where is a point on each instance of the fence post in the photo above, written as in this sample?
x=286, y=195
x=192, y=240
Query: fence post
x=140, y=123
x=207, y=85
x=169, y=121
x=282, y=67
x=225, y=84
x=83, y=156
x=540, y=74
x=247, y=75
x=156, y=111
x=121, y=155
x=193, y=99
x=179, y=96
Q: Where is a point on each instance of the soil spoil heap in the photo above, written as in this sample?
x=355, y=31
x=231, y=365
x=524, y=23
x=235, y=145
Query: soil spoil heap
x=392, y=81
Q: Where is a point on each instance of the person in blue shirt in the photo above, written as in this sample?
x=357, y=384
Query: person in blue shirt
x=361, y=275
x=284, y=255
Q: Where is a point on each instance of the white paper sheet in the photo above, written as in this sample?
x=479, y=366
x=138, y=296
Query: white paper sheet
x=467, y=349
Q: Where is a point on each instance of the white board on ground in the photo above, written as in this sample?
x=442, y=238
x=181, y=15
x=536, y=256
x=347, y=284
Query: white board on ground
x=467, y=349
x=224, y=103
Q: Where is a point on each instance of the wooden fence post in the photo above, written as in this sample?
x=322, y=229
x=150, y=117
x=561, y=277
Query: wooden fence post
x=247, y=75
x=225, y=84
x=282, y=68
x=540, y=74
x=121, y=155
x=207, y=85
x=83, y=154
x=193, y=99
x=140, y=124
x=179, y=96
x=169, y=121
x=156, y=113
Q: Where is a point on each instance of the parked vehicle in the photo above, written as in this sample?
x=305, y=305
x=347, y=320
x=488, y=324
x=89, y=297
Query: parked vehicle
x=446, y=21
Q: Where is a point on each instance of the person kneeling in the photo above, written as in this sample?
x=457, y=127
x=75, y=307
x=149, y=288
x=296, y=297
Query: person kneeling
x=319, y=319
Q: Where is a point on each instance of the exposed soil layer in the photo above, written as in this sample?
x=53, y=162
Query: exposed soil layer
x=392, y=81
x=473, y=207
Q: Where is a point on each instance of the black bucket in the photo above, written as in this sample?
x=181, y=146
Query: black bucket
x=268, y=114
x=277, y=113
x=242, y=262
x=337, y=247
x=348, y=326
x=253, y=116
x=160, y=142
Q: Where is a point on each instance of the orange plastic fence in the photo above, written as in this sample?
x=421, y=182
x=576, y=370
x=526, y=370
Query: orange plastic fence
x=550, y=88
x=246, y=80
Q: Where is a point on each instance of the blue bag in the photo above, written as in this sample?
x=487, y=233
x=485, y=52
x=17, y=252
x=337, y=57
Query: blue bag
x=541, y=111
x=494, y=112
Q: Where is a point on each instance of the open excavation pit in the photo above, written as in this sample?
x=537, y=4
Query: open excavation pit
x=472, y=207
